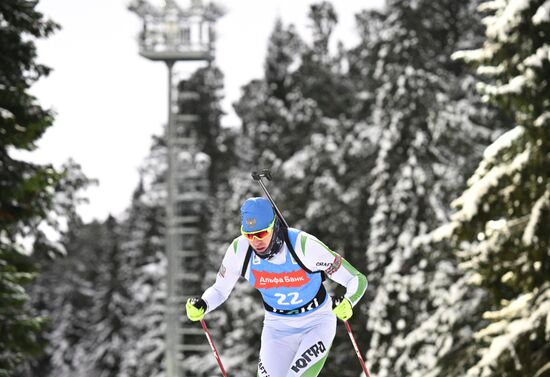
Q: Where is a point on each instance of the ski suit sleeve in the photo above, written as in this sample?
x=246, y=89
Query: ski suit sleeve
x=316, y=256
x=227, y=277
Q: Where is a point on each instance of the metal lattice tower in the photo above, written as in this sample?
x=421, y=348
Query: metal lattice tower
x=171, y=34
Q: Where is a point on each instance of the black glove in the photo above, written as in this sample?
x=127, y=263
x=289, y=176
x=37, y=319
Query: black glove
x=336, y=300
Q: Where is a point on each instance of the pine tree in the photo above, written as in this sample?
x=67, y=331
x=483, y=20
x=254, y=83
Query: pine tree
x=117, y=269
x=321, y=76
x=275, y=116
x=145, y=270
x=64, y=293
x=109, y=287
x=109, y=333
x=500, y=223
x=427, y=130
x=207, y=83
x=31, y=195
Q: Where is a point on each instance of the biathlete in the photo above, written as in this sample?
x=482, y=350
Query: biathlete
x=287, y=266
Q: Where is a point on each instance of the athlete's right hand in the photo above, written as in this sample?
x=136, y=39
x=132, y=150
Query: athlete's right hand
x=195, y=308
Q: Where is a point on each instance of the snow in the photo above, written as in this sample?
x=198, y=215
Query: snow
x=488, y=70
x=491, y=5
x=514, y=86
x=504, y=141
x=513, y=309
x=507, y=277
x=535, y=217
x=515, y=319
x=543, y=119
x=496, y=226
x=422, y=309
x=499, y=27
x=542, y=14
x=5, y=114
x=537, y=59
x=476, y=55
x=471, y=199
x=487, y=176
x=295, y=167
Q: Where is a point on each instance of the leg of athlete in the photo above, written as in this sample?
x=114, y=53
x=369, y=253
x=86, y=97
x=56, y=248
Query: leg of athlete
x=277, y=351
x=313, y=349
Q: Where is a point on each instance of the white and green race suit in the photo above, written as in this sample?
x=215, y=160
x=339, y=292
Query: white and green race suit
x=299, y=325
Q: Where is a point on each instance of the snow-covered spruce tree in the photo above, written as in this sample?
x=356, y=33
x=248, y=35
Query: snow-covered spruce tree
x=430, y=129
x=208, y=84
x=321, y=76
x=144, y=269
x=322, y=97
x=109, y=335
x=500, y=226
x=137, y=268
x=130, y=266
x=64, y=293
x=268, y=107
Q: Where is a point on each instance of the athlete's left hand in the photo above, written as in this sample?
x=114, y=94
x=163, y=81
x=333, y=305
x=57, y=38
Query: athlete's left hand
x=342, y=308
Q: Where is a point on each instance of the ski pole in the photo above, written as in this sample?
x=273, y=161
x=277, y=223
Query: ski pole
x=267, y=174
x=211, y=342
x=348, y=328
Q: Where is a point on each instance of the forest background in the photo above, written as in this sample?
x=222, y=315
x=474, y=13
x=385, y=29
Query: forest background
x=421, y=154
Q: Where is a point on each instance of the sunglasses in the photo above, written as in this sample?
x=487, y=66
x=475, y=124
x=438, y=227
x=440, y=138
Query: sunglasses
x=259, y=234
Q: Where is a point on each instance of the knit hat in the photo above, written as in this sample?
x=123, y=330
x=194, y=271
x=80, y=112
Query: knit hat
x=256, y=214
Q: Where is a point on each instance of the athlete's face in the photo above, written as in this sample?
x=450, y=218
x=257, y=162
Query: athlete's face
x=260, y=245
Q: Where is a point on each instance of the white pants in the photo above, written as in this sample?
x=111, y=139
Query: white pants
x=295, y=346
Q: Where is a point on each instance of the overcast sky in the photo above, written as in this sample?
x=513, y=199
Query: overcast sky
x=109, y=101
